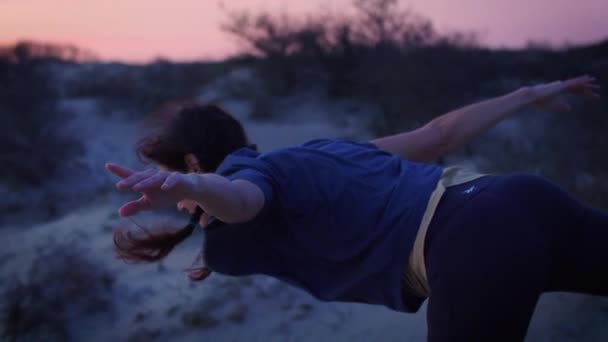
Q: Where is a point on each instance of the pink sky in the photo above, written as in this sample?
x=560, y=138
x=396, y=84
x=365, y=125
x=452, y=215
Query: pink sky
x=140, y=30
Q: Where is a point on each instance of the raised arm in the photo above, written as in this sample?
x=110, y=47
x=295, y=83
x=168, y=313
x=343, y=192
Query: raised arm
x=457, y=128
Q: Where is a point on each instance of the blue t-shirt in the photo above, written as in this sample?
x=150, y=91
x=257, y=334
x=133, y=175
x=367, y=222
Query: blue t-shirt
x=339, y=220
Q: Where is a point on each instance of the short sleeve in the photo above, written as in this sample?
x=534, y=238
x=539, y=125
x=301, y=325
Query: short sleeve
x=259, y=179
x=367, y=144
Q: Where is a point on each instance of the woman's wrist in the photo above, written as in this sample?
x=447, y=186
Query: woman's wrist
x=195, y=190
x=524, y=97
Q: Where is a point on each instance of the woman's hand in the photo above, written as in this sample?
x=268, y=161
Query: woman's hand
x=159, y=188
x=547, y=96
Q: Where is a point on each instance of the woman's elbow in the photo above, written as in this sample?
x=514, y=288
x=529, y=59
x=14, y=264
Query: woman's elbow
x=433, y=146
x=248, y=202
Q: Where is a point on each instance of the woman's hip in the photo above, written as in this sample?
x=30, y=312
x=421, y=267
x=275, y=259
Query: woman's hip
x=515, y=221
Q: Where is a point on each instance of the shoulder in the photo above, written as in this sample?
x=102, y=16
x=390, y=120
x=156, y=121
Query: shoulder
x=292, y=159
x=337, y=142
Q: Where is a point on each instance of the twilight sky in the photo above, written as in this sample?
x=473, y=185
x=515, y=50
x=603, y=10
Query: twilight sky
x=140, y=30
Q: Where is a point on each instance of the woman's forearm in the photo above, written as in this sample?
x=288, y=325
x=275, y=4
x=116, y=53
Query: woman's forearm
x=461, y=126
x=231, y=202
x=454, y=129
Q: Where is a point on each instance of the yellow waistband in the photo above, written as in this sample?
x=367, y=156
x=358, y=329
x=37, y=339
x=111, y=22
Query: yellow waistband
x=415, y=277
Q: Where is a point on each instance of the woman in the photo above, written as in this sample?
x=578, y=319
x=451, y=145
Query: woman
x=376, y=222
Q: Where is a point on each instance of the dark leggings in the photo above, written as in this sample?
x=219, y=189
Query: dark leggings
x=493, y=249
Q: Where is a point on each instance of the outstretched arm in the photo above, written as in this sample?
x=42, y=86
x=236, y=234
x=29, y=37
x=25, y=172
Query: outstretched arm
x=230, y=201
x=457, y=128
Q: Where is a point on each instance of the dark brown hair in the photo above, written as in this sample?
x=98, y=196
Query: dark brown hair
x=208, y=132
x=205, y=131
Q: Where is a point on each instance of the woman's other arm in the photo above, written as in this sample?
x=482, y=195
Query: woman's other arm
x=457, y=128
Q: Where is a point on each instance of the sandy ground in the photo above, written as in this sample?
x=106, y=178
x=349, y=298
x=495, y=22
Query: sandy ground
x=157, y=301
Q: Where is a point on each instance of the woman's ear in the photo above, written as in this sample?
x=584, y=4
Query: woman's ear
x=192, y=162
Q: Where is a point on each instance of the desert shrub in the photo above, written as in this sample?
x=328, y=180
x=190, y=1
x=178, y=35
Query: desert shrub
x=382, y=54
x=398, y=62
x=139, y=89
x=33, y=142
x=394, y=58
x=63, y=284
x=28, y=50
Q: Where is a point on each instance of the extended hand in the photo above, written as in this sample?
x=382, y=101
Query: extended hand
x=547, y=96
x=159, y=189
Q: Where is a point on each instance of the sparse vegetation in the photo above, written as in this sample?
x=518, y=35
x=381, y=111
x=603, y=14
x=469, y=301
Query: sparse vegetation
x=397, y=60
x=33, y=141
x=141, y=89
x=63, y=283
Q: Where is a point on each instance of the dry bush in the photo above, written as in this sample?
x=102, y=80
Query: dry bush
x=33, y=142
x=382, y=54
x=28, y=50
x=141, y=89
x=63, y=285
